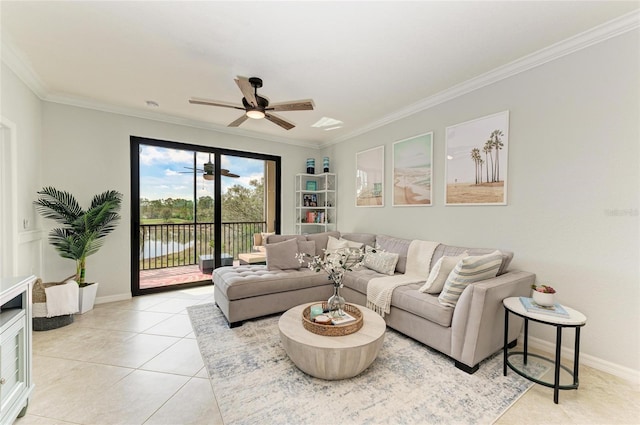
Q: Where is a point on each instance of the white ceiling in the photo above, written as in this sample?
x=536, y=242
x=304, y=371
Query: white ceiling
x=363, y=63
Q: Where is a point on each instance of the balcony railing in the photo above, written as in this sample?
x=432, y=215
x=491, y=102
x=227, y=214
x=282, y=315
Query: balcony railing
x=173, y=245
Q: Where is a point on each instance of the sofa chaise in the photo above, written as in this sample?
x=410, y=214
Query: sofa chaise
x=469, y=332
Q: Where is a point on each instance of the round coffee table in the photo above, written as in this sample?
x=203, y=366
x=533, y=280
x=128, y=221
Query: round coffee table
x=331, y=357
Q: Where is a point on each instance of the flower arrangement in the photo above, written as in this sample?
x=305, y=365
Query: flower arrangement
x=544, y=289
x=335, y=263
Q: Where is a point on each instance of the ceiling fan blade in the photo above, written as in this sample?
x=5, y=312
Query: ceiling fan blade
x=227, y=173
x=208, y=102
x=247, y=90
x=287, y=125
x=239, y=121
x=294, y=105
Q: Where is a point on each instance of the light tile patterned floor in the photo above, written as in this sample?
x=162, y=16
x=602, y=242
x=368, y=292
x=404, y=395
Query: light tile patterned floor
x=137, y=362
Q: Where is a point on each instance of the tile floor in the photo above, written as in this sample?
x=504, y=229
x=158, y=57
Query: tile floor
x=137, y=362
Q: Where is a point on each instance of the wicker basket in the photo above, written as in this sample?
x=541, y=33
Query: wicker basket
x=333, y=330
x=39, y=308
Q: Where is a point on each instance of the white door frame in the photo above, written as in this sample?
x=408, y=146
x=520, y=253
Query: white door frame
x=9, y=198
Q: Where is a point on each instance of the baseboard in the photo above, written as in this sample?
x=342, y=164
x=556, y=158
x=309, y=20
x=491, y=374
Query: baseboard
x=113, y=298
x=630, y=375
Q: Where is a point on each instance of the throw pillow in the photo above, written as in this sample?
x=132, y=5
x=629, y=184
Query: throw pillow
x=265, y=236
x=282, y=255
x=380, y=261
x=334, y=245
x=309, y=248
x=467, y=271
x=440, y=272
x=352, y=244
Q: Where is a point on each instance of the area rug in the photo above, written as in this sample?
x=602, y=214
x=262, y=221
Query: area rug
x=254, y=381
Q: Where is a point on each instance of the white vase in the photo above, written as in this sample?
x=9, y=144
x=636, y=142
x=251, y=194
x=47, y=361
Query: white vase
x=87, y=297
x=544, y=298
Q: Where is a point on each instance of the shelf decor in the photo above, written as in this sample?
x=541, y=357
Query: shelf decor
x=311, y=165
x=476, y=164
x=312, y=185
x=370, y=178
x=412, y=170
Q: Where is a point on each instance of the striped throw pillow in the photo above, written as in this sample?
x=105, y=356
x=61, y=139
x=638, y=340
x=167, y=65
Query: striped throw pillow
x=466, y=272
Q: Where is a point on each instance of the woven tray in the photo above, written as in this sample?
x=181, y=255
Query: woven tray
x=333, y=330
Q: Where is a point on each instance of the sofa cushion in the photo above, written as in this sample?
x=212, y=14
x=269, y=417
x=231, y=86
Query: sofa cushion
x=381, y=261
x=406, y=297
x=248, y=281
x=427, y=306
x=364, y=238
x=453, y=251
x=282, y=255
x=467, y=271
x=397, y=245
x=321, y=240
x=359, y=279
x=439, y=273
x=335, y=245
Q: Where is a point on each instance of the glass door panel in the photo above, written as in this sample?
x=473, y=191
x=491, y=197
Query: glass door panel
x=196, y=208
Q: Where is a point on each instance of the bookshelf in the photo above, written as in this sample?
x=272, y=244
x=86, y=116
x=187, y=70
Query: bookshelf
x=316, y=203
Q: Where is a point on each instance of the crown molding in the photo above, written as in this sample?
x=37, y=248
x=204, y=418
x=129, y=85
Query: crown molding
x=18, y=64
x=595, y=35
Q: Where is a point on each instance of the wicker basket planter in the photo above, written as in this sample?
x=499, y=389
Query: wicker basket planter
x=39, y=310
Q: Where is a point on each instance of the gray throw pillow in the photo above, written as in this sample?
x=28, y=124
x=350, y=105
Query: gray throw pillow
x=282, y=255
x=309, y=248
x=380, y=261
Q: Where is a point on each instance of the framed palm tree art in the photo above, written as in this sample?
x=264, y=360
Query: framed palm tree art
x=477, y=161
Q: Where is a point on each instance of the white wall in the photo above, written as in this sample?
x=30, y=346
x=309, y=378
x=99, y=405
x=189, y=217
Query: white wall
x=23, y=110
x=87, y=152
x=573, y=167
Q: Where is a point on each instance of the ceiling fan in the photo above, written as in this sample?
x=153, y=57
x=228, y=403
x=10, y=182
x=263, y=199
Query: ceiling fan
x=258, y=107
x=208, y=171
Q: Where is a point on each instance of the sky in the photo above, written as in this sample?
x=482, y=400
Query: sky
x=413, y=153
x=167, y=173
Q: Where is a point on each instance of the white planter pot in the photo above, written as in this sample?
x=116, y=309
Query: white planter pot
x=544, y=298
x=87, y=297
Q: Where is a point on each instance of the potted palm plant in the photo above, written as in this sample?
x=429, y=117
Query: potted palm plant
x=82, y=232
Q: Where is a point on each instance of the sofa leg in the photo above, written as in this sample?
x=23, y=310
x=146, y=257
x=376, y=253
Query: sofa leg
x=468, y=369
x=235, y=324
x=513, y=343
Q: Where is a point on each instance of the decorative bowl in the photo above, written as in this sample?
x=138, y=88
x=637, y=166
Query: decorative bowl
x=544, y=298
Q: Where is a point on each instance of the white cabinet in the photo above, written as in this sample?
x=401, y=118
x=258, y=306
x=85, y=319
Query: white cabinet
x=316, y=203
x=15, y=347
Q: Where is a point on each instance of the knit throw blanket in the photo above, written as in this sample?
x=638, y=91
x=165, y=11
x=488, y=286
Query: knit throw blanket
x=380, y=289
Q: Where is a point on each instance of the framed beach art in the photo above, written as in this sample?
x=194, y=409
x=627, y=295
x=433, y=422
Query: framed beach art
x=370, y=178
x=412, y=170
x=477, y=161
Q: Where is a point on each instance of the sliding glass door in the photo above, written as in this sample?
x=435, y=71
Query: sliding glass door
x=195, y=208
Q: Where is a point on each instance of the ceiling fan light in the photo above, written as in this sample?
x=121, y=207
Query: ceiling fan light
x=208, y=176
x=256, y=114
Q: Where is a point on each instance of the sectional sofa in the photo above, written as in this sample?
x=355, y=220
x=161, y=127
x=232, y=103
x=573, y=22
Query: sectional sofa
x=468, y=333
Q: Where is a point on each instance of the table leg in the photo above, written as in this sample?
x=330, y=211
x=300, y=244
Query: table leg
x=506, y=337
x=526, y=340
x=556, y=382
x=576, y=356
